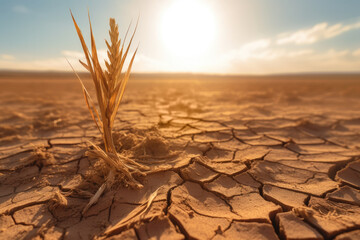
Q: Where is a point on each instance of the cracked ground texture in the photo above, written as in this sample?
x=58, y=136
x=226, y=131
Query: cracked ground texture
x=241, y=158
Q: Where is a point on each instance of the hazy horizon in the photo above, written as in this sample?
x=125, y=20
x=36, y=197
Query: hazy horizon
x=71, y=74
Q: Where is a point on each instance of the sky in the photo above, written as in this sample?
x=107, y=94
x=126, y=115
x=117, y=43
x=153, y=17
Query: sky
x=199, y=36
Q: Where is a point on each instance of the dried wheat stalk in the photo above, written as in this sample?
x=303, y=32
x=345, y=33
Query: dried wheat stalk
x=110, y=87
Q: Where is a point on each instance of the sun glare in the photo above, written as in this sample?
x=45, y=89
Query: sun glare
x=188, y=28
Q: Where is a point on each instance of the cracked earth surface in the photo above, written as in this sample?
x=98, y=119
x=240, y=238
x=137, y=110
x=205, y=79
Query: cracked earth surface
x=259, y=158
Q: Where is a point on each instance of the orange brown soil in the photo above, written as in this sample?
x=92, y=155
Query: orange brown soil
x=248, y=158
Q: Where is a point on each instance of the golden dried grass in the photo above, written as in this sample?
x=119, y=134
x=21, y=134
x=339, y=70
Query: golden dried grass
x=110, y=86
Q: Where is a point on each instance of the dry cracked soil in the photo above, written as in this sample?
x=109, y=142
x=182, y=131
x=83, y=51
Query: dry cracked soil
x=248, y=158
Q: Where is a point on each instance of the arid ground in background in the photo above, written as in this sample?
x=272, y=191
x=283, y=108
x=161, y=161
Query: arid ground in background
x=242, y=157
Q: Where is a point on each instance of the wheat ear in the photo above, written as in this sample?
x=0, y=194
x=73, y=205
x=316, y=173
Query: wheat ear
x=110, y=86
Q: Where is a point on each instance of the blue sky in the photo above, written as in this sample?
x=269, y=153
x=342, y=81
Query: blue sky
x=237, y=36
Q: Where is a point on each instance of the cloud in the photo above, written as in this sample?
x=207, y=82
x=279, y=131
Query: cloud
x=7, y=57
x=318, y=32
x=142, y=63
x=72, y=54
x=356, y=53
x=250, y=50
x=294, y=61
x=300, y=53
x=263, y=50
x=43, y=64
x=259, y=44
x=75, y=56
x=277, y=55
x=20, y=9
x=56, y=63
x=102, y=55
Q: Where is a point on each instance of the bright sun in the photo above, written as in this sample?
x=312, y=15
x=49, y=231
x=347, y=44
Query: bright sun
x=188, y=28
